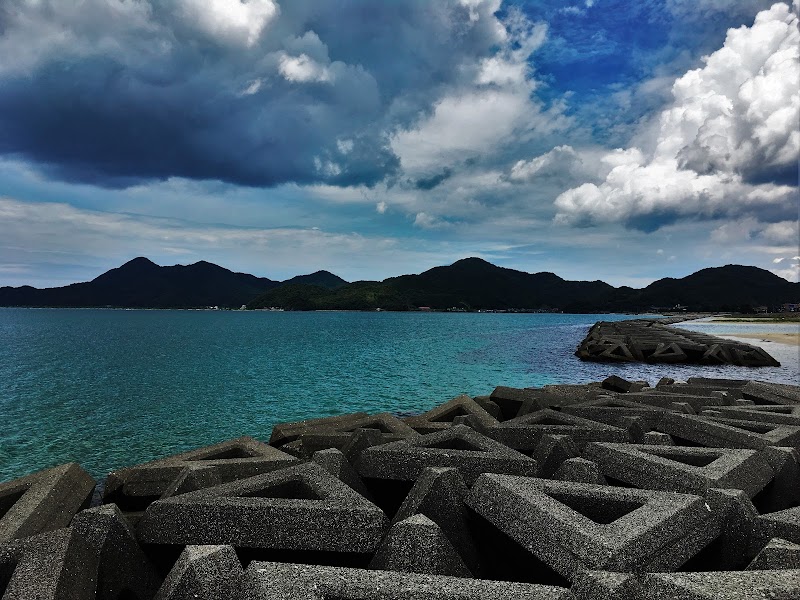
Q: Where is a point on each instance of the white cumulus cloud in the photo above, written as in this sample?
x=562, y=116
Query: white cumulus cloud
x=728, y=144
x=476, y=117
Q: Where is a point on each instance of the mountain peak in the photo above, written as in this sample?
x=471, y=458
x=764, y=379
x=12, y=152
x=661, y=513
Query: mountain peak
x=321, y=278
x=139, y=261
x=472, y=261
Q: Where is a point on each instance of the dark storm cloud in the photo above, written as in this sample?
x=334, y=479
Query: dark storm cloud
x=118, y=91
x=429, y=183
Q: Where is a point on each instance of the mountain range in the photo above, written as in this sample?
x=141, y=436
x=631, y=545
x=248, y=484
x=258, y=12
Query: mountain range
x=468, y=284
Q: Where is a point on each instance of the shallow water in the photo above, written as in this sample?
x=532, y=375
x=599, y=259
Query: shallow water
x=109, y=388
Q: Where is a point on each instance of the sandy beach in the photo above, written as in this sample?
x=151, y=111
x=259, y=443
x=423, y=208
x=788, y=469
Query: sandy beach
x=780, y=338
x=780, y=332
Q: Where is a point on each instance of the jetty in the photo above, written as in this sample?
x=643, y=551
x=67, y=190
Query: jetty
x=655, y=341
x=613, y=490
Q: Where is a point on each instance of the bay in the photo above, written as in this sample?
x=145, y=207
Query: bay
x=110, y=388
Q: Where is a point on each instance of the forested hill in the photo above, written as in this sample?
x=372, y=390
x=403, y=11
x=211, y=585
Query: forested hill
x=468, y=284
x=474, y=284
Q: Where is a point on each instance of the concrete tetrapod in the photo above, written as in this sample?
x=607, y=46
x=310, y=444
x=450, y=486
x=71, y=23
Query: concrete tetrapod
x=296, y=508
x=573, y=526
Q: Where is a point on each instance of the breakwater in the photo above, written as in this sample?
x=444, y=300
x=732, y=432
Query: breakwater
x=654, y=341
x=608, y=490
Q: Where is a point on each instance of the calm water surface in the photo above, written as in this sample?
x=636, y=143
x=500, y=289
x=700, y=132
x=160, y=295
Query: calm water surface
x=109, y=388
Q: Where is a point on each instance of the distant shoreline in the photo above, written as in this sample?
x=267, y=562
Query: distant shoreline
x=747, y=327
x=791, y=339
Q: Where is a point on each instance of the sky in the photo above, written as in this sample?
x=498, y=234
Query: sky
x=596, y=139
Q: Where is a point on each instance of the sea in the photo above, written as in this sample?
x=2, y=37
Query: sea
x=113, y=388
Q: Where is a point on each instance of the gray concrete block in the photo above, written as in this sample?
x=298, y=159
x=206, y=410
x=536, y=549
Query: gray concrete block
x=442, y=416
x=716, y=383
x=787, y=415
x=574, y=527
x=57, y=565
x=657, y=438
x=603, y=585
x=784, y=489
x=552, y=451
x=388, y=427
x=777, y=554
x=284, y=433
x=739, y=530
x=659, y=398
x=439, y=493
x=359, y=441
x=580, y=470
x=524, y=433
x=762, y=392
x=297, y=508
x=203, y=572
x=122, y=567
x=511, y=400
x=43, y=501
x=336, y=463
x=490, y=406
x=559, y=395
x=614, y=411
x=784, y=524
x=725, y=585
x=730, y=433
x=133, y=488
x=278, y=581
x=418, y=545
x=460, y=447
x=615, y=383
x=682, y=469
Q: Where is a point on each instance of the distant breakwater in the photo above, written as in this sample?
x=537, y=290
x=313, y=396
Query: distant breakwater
x=654, y=341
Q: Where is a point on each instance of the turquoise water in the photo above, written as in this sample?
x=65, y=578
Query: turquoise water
x=109, y=388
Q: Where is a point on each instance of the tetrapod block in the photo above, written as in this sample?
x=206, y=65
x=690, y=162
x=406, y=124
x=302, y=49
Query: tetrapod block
x=439, y=493
x=580, y=470
x=44, y=501
x=133, y=488
x=784, y=524
x=442, y=416
x=716, y=585
x=388, y=427
x=573, y=527
x=122, y=567
x=784, y=489
x=762, y=392
x=730, y=433
x=787, y=415
x=57, y=565
x=280, y=581
x=296, y=508
x=612, y=411
x=459, y=446
x=207, y=572
x=418, y=545
x=284, y=433
x=682, y=469
x=777, y=554
x=336, y=463
x=605, y=585
x=524, y=433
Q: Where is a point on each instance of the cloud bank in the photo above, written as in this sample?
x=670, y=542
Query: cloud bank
x=116, y=92
x=728, y=144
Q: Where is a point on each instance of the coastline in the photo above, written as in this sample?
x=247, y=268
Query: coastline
x=786, y=332
x=789, y=339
